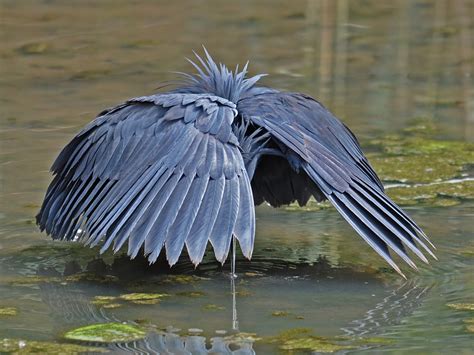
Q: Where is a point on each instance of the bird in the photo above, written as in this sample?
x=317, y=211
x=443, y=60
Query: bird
x=183, y=168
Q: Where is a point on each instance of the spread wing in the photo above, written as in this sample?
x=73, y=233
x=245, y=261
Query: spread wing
x=158, y=171
x=315, y=141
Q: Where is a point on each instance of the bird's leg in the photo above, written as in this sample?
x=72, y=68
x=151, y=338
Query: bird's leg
x=233, y=274
x=235, y=322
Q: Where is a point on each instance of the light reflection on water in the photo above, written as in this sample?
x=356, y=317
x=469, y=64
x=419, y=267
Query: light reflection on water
x=305, y=294
x=376, y=64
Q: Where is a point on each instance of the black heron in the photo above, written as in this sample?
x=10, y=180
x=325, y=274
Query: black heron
x=185, y=167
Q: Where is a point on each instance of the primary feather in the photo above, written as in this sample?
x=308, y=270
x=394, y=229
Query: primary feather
x=186, y=167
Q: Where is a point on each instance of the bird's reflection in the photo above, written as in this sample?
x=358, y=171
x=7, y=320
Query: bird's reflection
x=401, y=302
x=71, y=306
x=171, y=343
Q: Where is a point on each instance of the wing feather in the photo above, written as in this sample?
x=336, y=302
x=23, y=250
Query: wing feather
x=205, y=220
x=179, y=231
x=244, y=229
x=161, y=170
x=157, y=236
x=153, y=225
x=222, y=231
x=312, y=139
x=366, y=233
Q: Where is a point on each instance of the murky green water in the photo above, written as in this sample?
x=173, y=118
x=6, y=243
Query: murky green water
x=401, y=68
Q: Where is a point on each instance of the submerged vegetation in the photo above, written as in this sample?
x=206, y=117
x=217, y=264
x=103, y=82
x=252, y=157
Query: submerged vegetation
x=304, y=339
x=424, y=170
x=461, y=306
x=467, y=308
x=106, y=333
x=372, y=62
x=8, y=311
x=135, y=298
x=143, y=296
x=213, y=307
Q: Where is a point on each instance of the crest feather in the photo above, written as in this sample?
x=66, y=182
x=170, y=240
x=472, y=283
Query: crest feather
x=218, y=79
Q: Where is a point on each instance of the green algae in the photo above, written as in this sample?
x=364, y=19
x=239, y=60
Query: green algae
x=133, y=297
x=106, y=333
x=242, y=337
x=33, y=48
x=467, y=251
x=213, y=307
x=112, y=305
x=112, y=302
x=303, y=339
x=243, y=293
x=28, y=281
x=443, y=194
x=316, y=344
x=143, y=298
x=289, y=334
x=104, y=298
x=183, y=279
x=145, y=302
x=461, y=306
x=438, y=194
x=31, y=205
x=8, y=311
x=192, y=294
x=421, y=127
x=469, y=324
x=280, y=313
x=16, y=346
x=52, y=249
x=108, y=302
x=431, y=171
x=311, y=205
x=91, y=277
x=417, y=159
x=372, y=341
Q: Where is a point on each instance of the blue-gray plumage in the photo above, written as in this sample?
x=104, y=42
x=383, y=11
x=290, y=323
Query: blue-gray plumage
x=182, y=168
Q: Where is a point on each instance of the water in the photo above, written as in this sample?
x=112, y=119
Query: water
x=375, y=64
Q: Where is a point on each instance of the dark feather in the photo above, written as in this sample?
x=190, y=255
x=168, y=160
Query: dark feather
x=204, y=222
x=187, y=166
x=313, y=140
x=140, y=173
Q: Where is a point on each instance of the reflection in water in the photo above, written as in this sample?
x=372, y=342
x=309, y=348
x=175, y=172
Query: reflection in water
x=70, y=307
x=401, y=302
x=172, y=343
x=376, y=64
x=233, y=276
x=235, y=321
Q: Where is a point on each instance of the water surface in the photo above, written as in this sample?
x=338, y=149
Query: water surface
x=377, y=65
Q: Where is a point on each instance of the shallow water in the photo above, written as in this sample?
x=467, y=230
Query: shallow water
x=377, y=65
